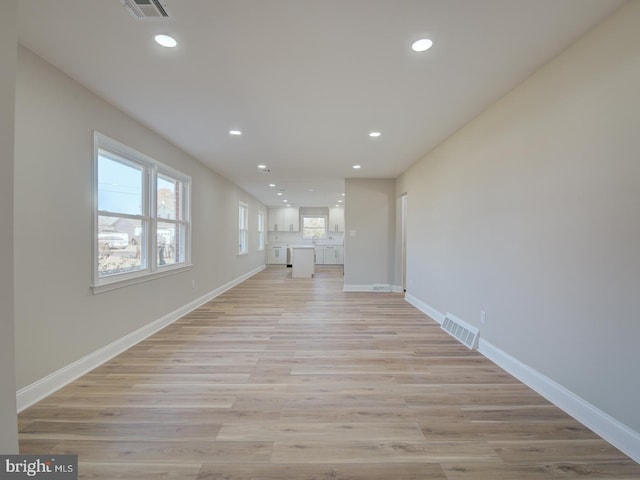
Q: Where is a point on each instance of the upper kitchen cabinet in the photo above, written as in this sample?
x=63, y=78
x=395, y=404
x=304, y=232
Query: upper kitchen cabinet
x=286, y=219
x=336, y=220
x=292, y=219
x=276, y=220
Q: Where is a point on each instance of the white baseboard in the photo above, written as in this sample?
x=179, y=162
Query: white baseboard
x=397, y=289
x=27, y=396
x=619, y=435
x=616, y=433
x=424, y=308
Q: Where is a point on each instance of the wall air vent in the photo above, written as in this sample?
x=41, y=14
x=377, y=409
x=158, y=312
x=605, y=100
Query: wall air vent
x=147, y=9
x=464, y=332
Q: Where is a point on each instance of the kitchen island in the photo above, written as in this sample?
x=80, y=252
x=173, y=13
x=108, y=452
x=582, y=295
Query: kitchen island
x=303, y=261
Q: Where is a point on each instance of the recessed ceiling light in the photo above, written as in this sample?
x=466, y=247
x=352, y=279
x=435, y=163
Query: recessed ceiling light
x=422, y=45
x=311, y=189
x=279, y=193
x=357, y=167
x=374, y=134
x=165, y=41
x=339, y=201
x=272, y=184
x=262, y=167
x=285, y=201
x=235, y=132
x=343, y=194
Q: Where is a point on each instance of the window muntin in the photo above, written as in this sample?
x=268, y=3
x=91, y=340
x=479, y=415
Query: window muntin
x=260, y=231
x=243, y=228
x=135, y=195
x=314, y=226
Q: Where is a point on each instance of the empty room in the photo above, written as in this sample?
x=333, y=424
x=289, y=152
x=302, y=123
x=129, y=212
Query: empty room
x=296, y=239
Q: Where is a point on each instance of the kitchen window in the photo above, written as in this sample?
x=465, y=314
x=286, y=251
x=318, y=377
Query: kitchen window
x=314, y=226
x=142, y=223
x=243, y=227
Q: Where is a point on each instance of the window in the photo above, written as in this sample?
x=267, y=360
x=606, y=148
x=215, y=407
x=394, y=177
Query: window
x=260, y=231
x=141, y=216
x=314, y=226
x=243, y=226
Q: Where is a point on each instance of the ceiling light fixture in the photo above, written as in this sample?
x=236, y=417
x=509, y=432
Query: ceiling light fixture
x=375, y=134
x=165, y=41
x=272, y=184
x=235, y=132
x=279, y=194
x=357, y=167
x=285, y=201
x=421, y=45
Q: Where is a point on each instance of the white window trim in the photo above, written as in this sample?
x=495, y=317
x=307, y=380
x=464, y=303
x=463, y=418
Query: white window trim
x=151, y=170
x=243, y=228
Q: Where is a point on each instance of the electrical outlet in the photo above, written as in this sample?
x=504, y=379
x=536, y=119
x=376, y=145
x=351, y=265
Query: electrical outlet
x=483, y=317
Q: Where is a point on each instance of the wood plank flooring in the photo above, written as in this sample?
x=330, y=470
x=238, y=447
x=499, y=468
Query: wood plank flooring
x=283, y=378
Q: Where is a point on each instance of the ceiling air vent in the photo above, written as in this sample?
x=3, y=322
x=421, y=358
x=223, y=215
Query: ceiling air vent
x=464, y=332
x=147, y=9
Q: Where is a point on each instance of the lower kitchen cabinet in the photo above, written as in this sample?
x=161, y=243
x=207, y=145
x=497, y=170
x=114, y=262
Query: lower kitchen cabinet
x=277, y=255
x=330, y=255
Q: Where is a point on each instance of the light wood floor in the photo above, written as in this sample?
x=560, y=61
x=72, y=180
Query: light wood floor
x=284, y=378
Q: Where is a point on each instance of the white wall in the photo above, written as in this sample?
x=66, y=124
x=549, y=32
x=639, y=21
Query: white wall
x=58, y=319
x=8, y=46
x=369, y=233
x=532, y=213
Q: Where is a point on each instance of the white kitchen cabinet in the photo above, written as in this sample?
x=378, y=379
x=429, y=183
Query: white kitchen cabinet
x=329, y=255
x=319, y=251
x=277, y=255
x=336, y=220
x=276, y=220
x=291, y=219
x=285, y=219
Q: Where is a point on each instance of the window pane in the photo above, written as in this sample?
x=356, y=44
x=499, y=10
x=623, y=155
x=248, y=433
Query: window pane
x=119, y=186
x=168, y=198
x=119, y=245
x=243, y=241
x=314, y=227
x=260, y=231
x=170, y=243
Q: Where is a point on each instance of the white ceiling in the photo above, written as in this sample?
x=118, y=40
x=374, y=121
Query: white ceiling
x=305, y=80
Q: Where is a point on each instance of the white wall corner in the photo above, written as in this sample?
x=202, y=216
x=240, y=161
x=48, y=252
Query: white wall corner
x=424, y=308
x=44, y=387
x=619, y=435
